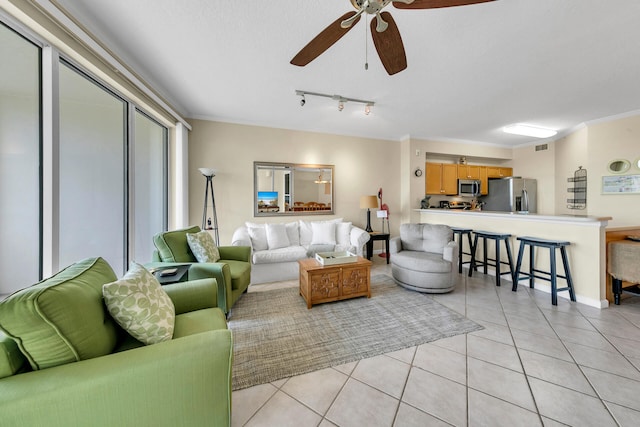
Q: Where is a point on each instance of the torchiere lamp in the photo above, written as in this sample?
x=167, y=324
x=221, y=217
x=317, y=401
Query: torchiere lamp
x=206, y=225
x=368, y=202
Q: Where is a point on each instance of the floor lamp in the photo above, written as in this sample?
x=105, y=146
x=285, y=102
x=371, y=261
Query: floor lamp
x=206, y=225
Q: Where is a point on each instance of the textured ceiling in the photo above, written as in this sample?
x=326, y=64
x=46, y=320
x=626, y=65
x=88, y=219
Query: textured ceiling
x=471, y=69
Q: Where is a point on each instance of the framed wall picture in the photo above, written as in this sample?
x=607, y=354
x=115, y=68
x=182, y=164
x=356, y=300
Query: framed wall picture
x=621, y=184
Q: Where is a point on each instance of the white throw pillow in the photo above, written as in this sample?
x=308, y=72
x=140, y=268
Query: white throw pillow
x=343, y=234
x=203, y=246
x=324, y=233
x=258, y=237
x=140, y=305
x=306, y=231
x=293, y=233
x=277, y=236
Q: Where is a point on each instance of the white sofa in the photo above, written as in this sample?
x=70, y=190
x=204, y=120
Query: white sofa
x=276, y=248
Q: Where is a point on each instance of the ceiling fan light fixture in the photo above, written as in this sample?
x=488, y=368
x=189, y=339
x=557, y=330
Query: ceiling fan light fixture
x=524, y=129
x=340, y=105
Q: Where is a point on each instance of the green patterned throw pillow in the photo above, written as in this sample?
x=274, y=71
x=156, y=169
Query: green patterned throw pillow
x=203, y=246
x=140, y=305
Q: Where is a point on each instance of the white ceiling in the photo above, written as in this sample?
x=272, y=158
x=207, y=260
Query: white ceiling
x=471, y=69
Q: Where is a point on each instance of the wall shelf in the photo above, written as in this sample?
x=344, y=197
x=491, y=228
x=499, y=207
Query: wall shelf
x=579, y=189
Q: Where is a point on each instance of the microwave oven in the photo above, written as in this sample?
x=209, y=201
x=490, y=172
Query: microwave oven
x=468, y=187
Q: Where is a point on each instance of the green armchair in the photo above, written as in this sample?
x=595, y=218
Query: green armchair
x=232, y=272
x=65, y=362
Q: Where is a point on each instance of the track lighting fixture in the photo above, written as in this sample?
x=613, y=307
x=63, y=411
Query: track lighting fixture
x=341, y=100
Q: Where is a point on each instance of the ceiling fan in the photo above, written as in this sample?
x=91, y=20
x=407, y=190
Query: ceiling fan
x=384, y=30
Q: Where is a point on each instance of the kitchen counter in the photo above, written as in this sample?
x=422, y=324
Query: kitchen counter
x=587, y=253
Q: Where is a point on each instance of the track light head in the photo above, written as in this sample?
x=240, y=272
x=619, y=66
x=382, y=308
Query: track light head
x=341, y=99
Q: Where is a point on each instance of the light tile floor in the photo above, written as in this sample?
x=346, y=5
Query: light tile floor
x=534, y=364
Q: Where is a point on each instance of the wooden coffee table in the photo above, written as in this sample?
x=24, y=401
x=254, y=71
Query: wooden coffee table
x=320, y=283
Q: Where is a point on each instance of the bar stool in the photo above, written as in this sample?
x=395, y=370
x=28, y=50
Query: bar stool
x=552, y=245
x=457, y=231
x=494, y=262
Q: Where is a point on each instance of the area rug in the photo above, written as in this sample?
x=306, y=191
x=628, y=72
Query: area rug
x=275, y=335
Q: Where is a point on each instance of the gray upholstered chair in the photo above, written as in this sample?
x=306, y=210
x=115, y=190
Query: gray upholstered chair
x=424, y=258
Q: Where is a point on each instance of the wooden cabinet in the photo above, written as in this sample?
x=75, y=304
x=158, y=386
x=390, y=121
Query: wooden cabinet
x=441, y=178
x=320, y=283
x=498, y=172
x=469, y=171
x=484, y=181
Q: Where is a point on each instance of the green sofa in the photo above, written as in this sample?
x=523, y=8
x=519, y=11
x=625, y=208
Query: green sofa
x=65, y=362
x=232, y=272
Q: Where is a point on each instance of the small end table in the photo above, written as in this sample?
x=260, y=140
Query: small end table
x=172, y=274
x=373, y=236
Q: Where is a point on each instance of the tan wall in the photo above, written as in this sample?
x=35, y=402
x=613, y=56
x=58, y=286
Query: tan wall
x=618, y=139
x=571, y=153
x=364, y=165
x=529, y=163
x=361, y=167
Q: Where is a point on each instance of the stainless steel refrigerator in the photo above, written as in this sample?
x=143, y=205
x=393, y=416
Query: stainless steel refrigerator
x=511, y=194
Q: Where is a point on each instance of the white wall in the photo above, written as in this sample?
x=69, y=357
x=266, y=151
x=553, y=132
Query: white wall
x=362, y=166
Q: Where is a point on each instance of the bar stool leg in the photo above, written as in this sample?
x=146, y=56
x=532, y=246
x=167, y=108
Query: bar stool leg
x=567, y=273
x=498, y=276
x=531, y=265
x=554, y=285
x=514, y=288
x=510, y=258
x=484, y=249
x=460, y=253
x=472, y=266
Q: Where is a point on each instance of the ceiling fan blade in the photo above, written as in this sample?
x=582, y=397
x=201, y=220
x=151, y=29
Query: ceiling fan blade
x=323, y=41
x=389, y=45
x=434, y=4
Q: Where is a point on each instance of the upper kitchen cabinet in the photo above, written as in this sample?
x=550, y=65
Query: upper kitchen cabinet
x=441, y=178
x=498, y=172
x=484, y=181
x=469, y=171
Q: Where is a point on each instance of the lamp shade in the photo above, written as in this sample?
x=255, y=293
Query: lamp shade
x=367, y=202
x=207, y=171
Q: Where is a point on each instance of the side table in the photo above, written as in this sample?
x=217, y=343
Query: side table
x=373, y=236
x=171, y=274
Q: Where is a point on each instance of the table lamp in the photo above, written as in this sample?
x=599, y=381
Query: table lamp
x=368, y=202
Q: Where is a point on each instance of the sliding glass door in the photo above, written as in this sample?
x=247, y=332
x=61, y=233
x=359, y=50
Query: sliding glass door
x=20, y=246
x=150, y=188
x=92, y=171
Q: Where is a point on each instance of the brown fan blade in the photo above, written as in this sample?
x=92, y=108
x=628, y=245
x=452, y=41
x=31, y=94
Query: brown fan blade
x=389, y=45
x=323, y=41
x=434, y=4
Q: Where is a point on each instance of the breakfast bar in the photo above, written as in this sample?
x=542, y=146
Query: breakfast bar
x=587, y=253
